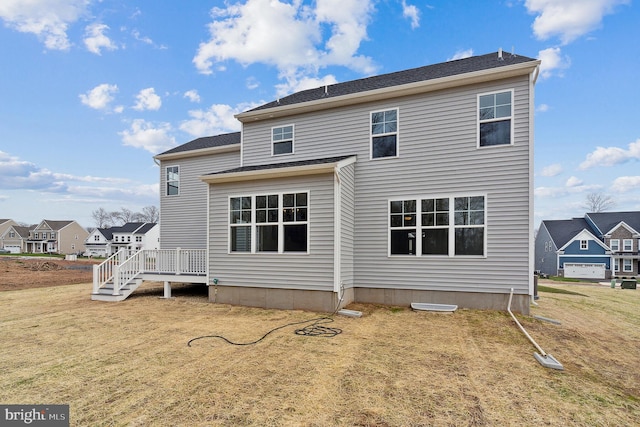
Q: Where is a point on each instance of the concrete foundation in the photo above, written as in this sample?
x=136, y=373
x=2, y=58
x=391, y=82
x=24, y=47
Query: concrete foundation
x=323, y=301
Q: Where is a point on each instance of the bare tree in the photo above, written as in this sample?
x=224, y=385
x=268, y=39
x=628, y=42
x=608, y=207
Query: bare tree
x=598, y=202
x=123, y=216
x=102, y=218
x=149, y=214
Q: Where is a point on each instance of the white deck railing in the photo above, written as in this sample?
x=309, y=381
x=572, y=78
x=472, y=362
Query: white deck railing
x=122, y=267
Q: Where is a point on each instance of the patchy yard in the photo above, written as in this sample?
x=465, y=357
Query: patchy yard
x=128, y=363
x=23, y=272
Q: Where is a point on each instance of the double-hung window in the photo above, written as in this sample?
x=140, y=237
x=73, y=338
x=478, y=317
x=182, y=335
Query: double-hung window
x=269, y=223
x=173, y=180
x=449, y=226
x=627, y=245
x=584, y=245
x=495, y=118
x=615, y=245
x=627, y=265
x=384, y=134
x=282, y=140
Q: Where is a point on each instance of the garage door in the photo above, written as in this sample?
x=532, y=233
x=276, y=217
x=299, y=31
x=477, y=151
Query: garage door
x=13, y=249
x=584, y=271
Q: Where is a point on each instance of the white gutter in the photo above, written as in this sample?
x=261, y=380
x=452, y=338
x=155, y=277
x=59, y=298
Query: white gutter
x=391, y=92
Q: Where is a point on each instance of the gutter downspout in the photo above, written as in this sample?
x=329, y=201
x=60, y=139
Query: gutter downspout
x=337, y=227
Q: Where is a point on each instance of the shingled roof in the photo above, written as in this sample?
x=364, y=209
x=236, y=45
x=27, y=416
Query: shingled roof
x=429, y=72
x=606, y=221
x=206, y=142
x=561, y=231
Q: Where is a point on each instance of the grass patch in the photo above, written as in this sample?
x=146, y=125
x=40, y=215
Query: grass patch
x=551, y=290
x=128, y=363
x=564, y=279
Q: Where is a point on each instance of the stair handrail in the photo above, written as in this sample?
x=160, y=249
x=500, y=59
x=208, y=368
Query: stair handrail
x=127, y=271
x=103, y=273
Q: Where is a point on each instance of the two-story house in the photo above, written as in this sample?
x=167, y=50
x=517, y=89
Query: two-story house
x=61, y=237
x=599, y=246
x=413, y=186
x=5, y=224
x=14, y=239
x=132, y=236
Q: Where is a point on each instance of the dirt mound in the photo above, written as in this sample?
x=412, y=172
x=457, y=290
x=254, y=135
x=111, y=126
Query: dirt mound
x=44, y=266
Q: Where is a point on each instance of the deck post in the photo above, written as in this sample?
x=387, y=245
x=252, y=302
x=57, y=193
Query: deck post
x=167, y=290
x=116, y=280
x=96, y=286
x=178, y=266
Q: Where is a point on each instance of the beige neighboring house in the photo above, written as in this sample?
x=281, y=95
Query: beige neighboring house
x=61, y=237
x=5, y=224
x=14, y=239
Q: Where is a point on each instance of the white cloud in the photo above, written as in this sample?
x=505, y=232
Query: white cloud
x=192, y=95
x=47, y=19
x=555, y=192
x=573, y=182
x=552, y=62
x=295, y=84
x=611, y=156
x=411, y=12
x=288, y=36
x=461, y=54
x=568, y=19
x=542, y=108
x=147, y=99
x=252, y=83
x=219, y=118
x=150, y=137
x=95, y=39
x=100, y=97
x=624, y=184
x=552, y=170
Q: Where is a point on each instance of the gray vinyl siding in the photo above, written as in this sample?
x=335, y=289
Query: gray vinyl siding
x=347, y=224
x=546, y=258
x=309, y=271
x=438, y=156
x=183, y=222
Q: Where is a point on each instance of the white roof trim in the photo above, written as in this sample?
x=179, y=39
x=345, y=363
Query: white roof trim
x=621, y=224
x=591, y=237
x=199, y=152
x=280, y=172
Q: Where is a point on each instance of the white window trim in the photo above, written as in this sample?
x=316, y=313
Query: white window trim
x=451, y=227
x=616, y=264
x=624, y=245
x=166, y=183
x=615, y=247
x=293, y=139
x=584, y=247
x=511, y=118
x=626, y=264
x=281, y=224
x=396, y=133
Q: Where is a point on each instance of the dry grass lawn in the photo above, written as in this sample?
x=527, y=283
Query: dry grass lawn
x=128, y=363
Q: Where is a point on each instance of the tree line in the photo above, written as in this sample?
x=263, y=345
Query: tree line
x=106, y=219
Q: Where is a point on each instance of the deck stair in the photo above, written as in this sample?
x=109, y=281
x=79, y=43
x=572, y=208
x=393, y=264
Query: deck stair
x=123, y=272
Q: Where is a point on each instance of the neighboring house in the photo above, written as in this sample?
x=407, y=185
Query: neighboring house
x=5, y=224
x=414, y=186
x=14, y=239
x=98, y=244
x=598, y=246
x=61, y=237
x=134, y=236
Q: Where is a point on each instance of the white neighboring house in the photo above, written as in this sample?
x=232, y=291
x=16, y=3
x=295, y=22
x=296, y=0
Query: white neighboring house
x=98, y=243
x=132, y=236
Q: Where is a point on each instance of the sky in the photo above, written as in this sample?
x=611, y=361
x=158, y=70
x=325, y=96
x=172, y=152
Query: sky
x=91, y=90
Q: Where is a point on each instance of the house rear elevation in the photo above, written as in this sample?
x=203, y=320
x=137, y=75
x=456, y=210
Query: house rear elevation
x=414, y=186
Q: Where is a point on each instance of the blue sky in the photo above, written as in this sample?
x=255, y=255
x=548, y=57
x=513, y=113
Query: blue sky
x=90, y=90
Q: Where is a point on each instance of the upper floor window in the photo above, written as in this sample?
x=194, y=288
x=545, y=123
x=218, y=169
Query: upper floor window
x=627, y=245
x=584, y=245
x=282, y=140
x=452, y=226
x=384, y=134
x=96, y=238
x=615, y=245
x=173, y=180
x=495, y=114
